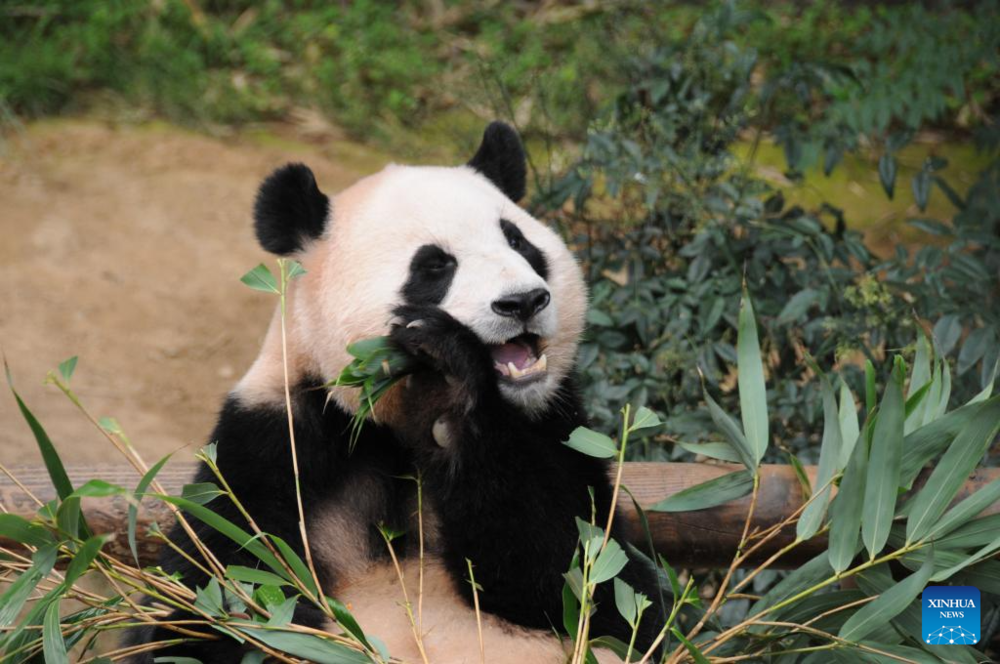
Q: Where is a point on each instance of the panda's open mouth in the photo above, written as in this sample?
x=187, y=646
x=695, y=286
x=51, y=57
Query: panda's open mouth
x=520, y=359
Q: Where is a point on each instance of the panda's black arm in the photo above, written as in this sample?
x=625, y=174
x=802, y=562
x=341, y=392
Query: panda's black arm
x=254, y=457
x=506, y=489
x=507, y=492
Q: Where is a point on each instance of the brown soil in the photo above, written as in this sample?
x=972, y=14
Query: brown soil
x=124, y=246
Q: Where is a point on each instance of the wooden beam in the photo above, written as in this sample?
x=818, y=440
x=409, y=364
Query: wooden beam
x=702, y=539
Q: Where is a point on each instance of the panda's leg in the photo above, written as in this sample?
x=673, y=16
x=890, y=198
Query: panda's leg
x=254, y=457
x=505, y=488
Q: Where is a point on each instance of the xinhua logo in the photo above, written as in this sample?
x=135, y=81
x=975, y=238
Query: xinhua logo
x=950, y=615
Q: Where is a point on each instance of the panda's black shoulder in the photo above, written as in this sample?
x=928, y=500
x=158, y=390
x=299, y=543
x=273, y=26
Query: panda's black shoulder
x=290, y=210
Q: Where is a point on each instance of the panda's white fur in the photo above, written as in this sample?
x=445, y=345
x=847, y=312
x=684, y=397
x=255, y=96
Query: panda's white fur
x=352, y=283
x=355, y=270
x=357, y=255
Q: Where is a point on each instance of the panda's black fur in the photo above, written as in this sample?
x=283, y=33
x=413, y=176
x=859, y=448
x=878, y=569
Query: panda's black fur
x=505, y=492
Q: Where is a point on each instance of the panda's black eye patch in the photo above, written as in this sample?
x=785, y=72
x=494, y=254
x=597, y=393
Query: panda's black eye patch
x=520, y=244
x=431, y=272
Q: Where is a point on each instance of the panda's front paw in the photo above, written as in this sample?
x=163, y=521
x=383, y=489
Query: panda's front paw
x=444, y=345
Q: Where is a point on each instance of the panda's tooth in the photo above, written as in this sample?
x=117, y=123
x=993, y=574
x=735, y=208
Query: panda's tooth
x=542, y=364
x=514, y=371
x=502, y=368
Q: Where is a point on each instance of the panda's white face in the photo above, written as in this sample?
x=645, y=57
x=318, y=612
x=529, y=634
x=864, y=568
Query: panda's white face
x=448, y=237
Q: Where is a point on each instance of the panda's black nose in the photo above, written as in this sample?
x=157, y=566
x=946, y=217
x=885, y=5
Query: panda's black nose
x=522, y=305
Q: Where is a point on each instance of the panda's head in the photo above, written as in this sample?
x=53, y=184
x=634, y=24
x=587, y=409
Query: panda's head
x=446, y=236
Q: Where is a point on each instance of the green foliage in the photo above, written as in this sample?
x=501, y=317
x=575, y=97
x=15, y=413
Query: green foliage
x=671, y=222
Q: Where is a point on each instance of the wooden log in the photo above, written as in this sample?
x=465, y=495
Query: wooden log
x=703, y=539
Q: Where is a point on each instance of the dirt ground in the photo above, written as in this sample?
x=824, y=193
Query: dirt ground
x=124, y=246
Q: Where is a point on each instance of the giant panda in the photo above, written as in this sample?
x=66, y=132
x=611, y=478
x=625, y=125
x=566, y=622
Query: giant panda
x=491, y=304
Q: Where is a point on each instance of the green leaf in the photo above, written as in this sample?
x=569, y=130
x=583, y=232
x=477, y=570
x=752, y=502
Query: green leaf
x=260, y=278
x=258, y=576
x=889, y=604
x=887, y=173
x=99, y=489
x=625, y=601
x=696, y=654
x=975, y=346
x=966, y=510
x=721, y=451
x=617, y=646
x=307, y=646
x=884, y=465
x=919, y=383
x=592, y=443
x=870, y=391
x=846, y=510
x=731, y=430
x=57, y=473
x=707, y=494
x=609, y=562
x=644, y=419
x=849, y=429
x=346, y=620
x=19, y=529
x=67, y=367
x=973, y=534
x=268, y=595
x=807, y=575
x=295, y=562
x=978, y=556
x=53, y=644
x=133, y=508
x=281, y=614
x=829, y=454
x=17, y=593
x=571, y=606
x=209, y=599
x=801, y=475
x=200, y=492
x=798, y=305
x=295, y=270
x=87, y=553
x=192, y=660
x=961, y=458
x=230, y=530
x=753, y=392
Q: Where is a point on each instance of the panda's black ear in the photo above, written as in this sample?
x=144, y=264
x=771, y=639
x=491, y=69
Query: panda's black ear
x=501, y=159
x=290, y=210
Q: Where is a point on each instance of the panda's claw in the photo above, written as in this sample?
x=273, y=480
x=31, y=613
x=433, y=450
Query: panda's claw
x=414, y=324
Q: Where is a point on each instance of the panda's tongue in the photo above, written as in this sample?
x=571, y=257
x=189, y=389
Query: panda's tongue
x=517, y=353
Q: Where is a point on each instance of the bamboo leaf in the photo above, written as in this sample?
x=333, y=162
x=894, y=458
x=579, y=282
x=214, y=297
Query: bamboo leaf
x=719, y=450
x=966, y=510
x=889, y=604
x=609, y=562
x=696, y=654
x=258, y=576
x=708, y=494
x=750, y=378
x=829, y=454
x=592, y=443
x=67, y=367
x=644, y=419
x=230, y=530
x=849, y=429
x=951, y=471
x=920, y=380
x=133, y=508
x=731, y=430
x=871, y=395
x=53, y=644
x=261, y=279
x=307, y=646
x=845, y=513
x=295, y=562
x=21, y=530
x=884, y=465
x=17, y=593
